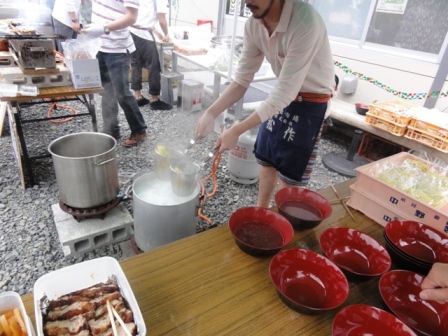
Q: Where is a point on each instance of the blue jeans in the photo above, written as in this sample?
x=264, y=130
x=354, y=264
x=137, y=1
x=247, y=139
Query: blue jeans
x=114, y=71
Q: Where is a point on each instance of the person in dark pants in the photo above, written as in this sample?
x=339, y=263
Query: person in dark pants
x=65, y=17
x=146, y=55
x=292, y=36
x=110, y=22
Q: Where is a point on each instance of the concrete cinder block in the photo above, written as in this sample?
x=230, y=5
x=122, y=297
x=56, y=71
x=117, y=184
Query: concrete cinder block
x=91, y=233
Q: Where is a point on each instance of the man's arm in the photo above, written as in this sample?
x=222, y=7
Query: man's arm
x=129, y=18
x=164, y=25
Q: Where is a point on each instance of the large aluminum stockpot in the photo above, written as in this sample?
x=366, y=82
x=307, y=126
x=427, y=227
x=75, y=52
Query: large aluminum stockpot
x=160, y=216
x=86, y=169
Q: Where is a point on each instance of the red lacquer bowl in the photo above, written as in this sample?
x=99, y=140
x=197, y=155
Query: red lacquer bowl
x=418, y=240
x=304, y=208
x=307, y=281
x=400, y=290
x=356, y=253
x=260, y=231
x=405, y=261
x=361, y=319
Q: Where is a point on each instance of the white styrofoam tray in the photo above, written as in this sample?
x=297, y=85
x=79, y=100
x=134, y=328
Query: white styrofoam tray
x=11, y=300
x=83, y=275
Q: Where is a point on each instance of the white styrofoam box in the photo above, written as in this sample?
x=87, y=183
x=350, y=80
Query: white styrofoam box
x=378, y=212
x=11, y=300
x=83, y=275
x=396, y=200
x=85, y=73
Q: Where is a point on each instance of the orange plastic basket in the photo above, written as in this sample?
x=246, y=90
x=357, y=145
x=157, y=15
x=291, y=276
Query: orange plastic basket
x=427, y=139
x=386, y=125
x=428, y=128
x=395, y=111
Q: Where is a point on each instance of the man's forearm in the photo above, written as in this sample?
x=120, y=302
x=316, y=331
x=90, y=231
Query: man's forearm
x=128, y=19
x=232, y=94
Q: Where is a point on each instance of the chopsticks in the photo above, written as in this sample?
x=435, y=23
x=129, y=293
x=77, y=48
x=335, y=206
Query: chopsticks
x=112, y=312
x=338, y=200
x=341, y=200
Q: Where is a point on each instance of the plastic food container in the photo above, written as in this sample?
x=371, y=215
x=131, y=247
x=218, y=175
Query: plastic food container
x=83, y=275
x=394, y=200
x=11, y=300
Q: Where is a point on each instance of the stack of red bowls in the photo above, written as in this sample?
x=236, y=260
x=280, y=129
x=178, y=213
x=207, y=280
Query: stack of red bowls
x=415, y=246
x=400, y=291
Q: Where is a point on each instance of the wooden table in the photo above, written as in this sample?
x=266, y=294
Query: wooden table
x=46, y=95
x=205, y=285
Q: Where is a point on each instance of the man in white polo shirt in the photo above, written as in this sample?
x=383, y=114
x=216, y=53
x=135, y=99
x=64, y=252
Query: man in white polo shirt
x=293, y=38
x=110, y=22
x=146, y=55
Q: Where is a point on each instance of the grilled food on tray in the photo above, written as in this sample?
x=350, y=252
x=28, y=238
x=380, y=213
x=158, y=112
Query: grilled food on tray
x=84, y=312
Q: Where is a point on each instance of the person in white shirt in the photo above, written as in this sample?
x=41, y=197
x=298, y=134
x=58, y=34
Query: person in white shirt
x=110, y=22
x=66, y=20
x=293, y=38
x=146, y=55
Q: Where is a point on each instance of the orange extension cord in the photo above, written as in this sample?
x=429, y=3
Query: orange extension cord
x=215, y=165
x=60, y=121
x=60, y=58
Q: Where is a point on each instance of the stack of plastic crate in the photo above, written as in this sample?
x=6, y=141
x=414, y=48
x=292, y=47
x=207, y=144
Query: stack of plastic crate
x=430, y=129
x=383, y=203
x=392, y=116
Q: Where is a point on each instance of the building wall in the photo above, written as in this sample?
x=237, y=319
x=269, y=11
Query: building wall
x=187, y=12
x=397, y=73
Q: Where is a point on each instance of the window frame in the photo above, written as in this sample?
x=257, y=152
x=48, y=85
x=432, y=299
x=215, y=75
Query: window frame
x=407, y=54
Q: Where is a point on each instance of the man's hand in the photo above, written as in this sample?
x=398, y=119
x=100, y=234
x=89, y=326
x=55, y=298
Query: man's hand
x=76, y=26
x=204, y=126
x=228, y=139
x=93, y=30
x=435, y=285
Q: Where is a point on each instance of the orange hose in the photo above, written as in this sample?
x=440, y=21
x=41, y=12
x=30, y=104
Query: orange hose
x=215, y=165
x=60, y=121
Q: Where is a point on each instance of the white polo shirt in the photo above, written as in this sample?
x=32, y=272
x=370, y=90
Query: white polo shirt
x=298, y=51
x=106, y=11
x=147, y=17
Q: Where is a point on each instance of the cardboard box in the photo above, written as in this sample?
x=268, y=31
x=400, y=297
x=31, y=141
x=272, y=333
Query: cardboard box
x=84, y=73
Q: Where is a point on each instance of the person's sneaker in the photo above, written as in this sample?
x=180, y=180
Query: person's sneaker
x=142, y=101
x=134, y=139
x=160, y=105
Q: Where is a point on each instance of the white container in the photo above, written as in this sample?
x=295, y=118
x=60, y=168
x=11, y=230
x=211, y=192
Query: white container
x=83, y=275
x=84, y=73
x=396, y=200
x=191, y=92
x=11, y=300
x=161, y=216
x=372, y=209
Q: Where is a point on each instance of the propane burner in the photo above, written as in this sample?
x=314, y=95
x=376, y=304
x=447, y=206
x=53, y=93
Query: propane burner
x=79, y=213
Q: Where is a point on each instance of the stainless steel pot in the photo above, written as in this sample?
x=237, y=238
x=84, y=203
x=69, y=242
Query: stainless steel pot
x=86, y=169
x=160, y=216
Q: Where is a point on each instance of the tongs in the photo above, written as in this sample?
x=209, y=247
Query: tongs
x=210, y=155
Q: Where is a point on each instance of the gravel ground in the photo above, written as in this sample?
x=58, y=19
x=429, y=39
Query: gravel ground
x=29, y=243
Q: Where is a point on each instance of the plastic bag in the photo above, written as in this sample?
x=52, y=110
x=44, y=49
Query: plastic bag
x=83, y=47
x=426, y=180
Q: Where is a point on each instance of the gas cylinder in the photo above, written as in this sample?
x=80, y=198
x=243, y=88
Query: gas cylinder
x=241, y=162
